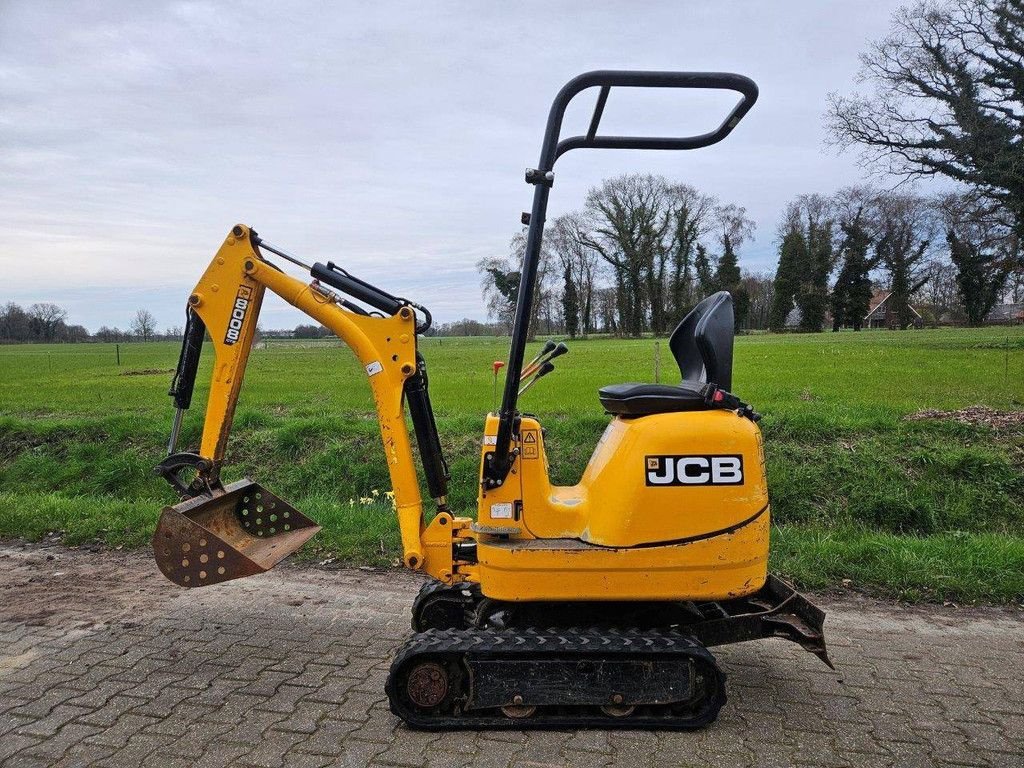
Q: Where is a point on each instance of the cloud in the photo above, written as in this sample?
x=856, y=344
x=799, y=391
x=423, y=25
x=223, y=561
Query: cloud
x=390, y=138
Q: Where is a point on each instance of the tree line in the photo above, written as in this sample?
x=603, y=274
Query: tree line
x=638, y=256
x=40, y=322
x=951, y=255
x=46, y=323
x=942, y=97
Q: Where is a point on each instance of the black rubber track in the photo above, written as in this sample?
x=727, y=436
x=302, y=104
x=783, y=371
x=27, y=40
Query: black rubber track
x=459, y=599
x=450, y=646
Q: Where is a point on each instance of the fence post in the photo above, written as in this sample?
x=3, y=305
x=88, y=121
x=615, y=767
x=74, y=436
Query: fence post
x=117, y=349
x=657, y=362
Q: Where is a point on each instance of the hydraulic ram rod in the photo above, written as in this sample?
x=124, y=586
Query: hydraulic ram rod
x=184, y=380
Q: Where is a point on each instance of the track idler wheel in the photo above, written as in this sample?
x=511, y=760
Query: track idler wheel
x=427, y=685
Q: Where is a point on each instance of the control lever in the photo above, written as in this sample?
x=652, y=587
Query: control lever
x=546, y=368
x=496, y=366
x=557, y=350
x=549, y=346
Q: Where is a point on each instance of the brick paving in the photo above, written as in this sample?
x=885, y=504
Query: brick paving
x=103, y=663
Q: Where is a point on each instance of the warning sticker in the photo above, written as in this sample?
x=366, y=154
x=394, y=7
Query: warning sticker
x=374, y=368
x=531, y=448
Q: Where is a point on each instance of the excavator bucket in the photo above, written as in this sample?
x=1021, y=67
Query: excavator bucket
x=240, y=530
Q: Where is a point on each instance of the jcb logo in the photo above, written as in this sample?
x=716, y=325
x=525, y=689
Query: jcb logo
x=242, y=301
x=695, y=470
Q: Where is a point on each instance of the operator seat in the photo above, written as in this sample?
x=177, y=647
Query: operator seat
x=702, y=346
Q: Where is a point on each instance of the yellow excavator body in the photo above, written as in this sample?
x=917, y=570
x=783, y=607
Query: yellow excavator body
x=588, y=605
x=619, y=534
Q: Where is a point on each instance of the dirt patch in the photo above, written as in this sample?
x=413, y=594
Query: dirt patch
x=146, y=371
x=976, y=415
x=77, y=588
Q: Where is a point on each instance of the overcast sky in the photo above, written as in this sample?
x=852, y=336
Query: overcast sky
x=388, y=137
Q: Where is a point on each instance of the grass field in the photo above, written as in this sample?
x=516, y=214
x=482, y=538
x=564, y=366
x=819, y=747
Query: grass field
x=928, y=509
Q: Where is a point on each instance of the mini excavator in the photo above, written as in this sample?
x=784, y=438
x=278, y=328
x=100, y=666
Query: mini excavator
x=590, y=605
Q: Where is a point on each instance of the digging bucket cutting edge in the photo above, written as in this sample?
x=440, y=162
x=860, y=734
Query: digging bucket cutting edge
x=241, y=530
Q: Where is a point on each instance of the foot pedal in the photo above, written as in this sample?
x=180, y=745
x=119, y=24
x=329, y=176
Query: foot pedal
x=242, y=530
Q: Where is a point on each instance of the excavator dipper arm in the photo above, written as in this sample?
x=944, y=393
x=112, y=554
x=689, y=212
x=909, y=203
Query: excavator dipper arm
x=216, y=525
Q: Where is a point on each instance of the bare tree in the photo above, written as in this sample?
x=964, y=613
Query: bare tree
x=630, y=221
x=941, y=292
x=759, y=287
x=567, y=240
x=641, y=231
x=46, y=320
x=143, y=324
x=75, y=333
x=105, y=333
x=906, y=232
x=983, y=250
x=14, y=323
x=607, y=310
x=693, y=216
x=945, y=97
x=733, y=223
x=499, y=281
x=1015, y=286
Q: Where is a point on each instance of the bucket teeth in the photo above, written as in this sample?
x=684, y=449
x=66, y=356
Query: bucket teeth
x=241, y=530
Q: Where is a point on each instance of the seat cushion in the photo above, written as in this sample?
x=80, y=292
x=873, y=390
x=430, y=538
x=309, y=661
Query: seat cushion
x=645, y=399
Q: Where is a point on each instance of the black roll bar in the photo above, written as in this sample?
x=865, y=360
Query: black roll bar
x=498, y=463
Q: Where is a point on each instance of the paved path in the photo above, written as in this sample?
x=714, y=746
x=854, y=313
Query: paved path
x=103, y=663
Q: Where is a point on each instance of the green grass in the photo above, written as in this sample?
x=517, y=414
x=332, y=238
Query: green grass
x=918, y=509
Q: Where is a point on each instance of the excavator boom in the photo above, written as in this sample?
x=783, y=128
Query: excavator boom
x=217, y=532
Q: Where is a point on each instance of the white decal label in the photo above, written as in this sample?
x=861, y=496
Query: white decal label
x=490, y=439
x=374, y=368
x=238, y=312
x=501, y=511
x=694, y=470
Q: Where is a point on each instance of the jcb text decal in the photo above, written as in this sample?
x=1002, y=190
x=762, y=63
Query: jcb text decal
x=242, y=301
x=694, y=470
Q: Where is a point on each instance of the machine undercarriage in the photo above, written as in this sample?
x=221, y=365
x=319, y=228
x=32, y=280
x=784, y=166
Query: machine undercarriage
x=586, y=664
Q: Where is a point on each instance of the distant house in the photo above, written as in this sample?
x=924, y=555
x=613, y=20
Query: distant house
x=881, y=315
x=1005, y=314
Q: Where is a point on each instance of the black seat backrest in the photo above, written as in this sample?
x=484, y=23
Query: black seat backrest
x=702, y=342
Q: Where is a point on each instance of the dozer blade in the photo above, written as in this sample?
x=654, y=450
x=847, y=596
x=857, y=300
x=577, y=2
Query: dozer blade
x=241, y=530
x=776, y=610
